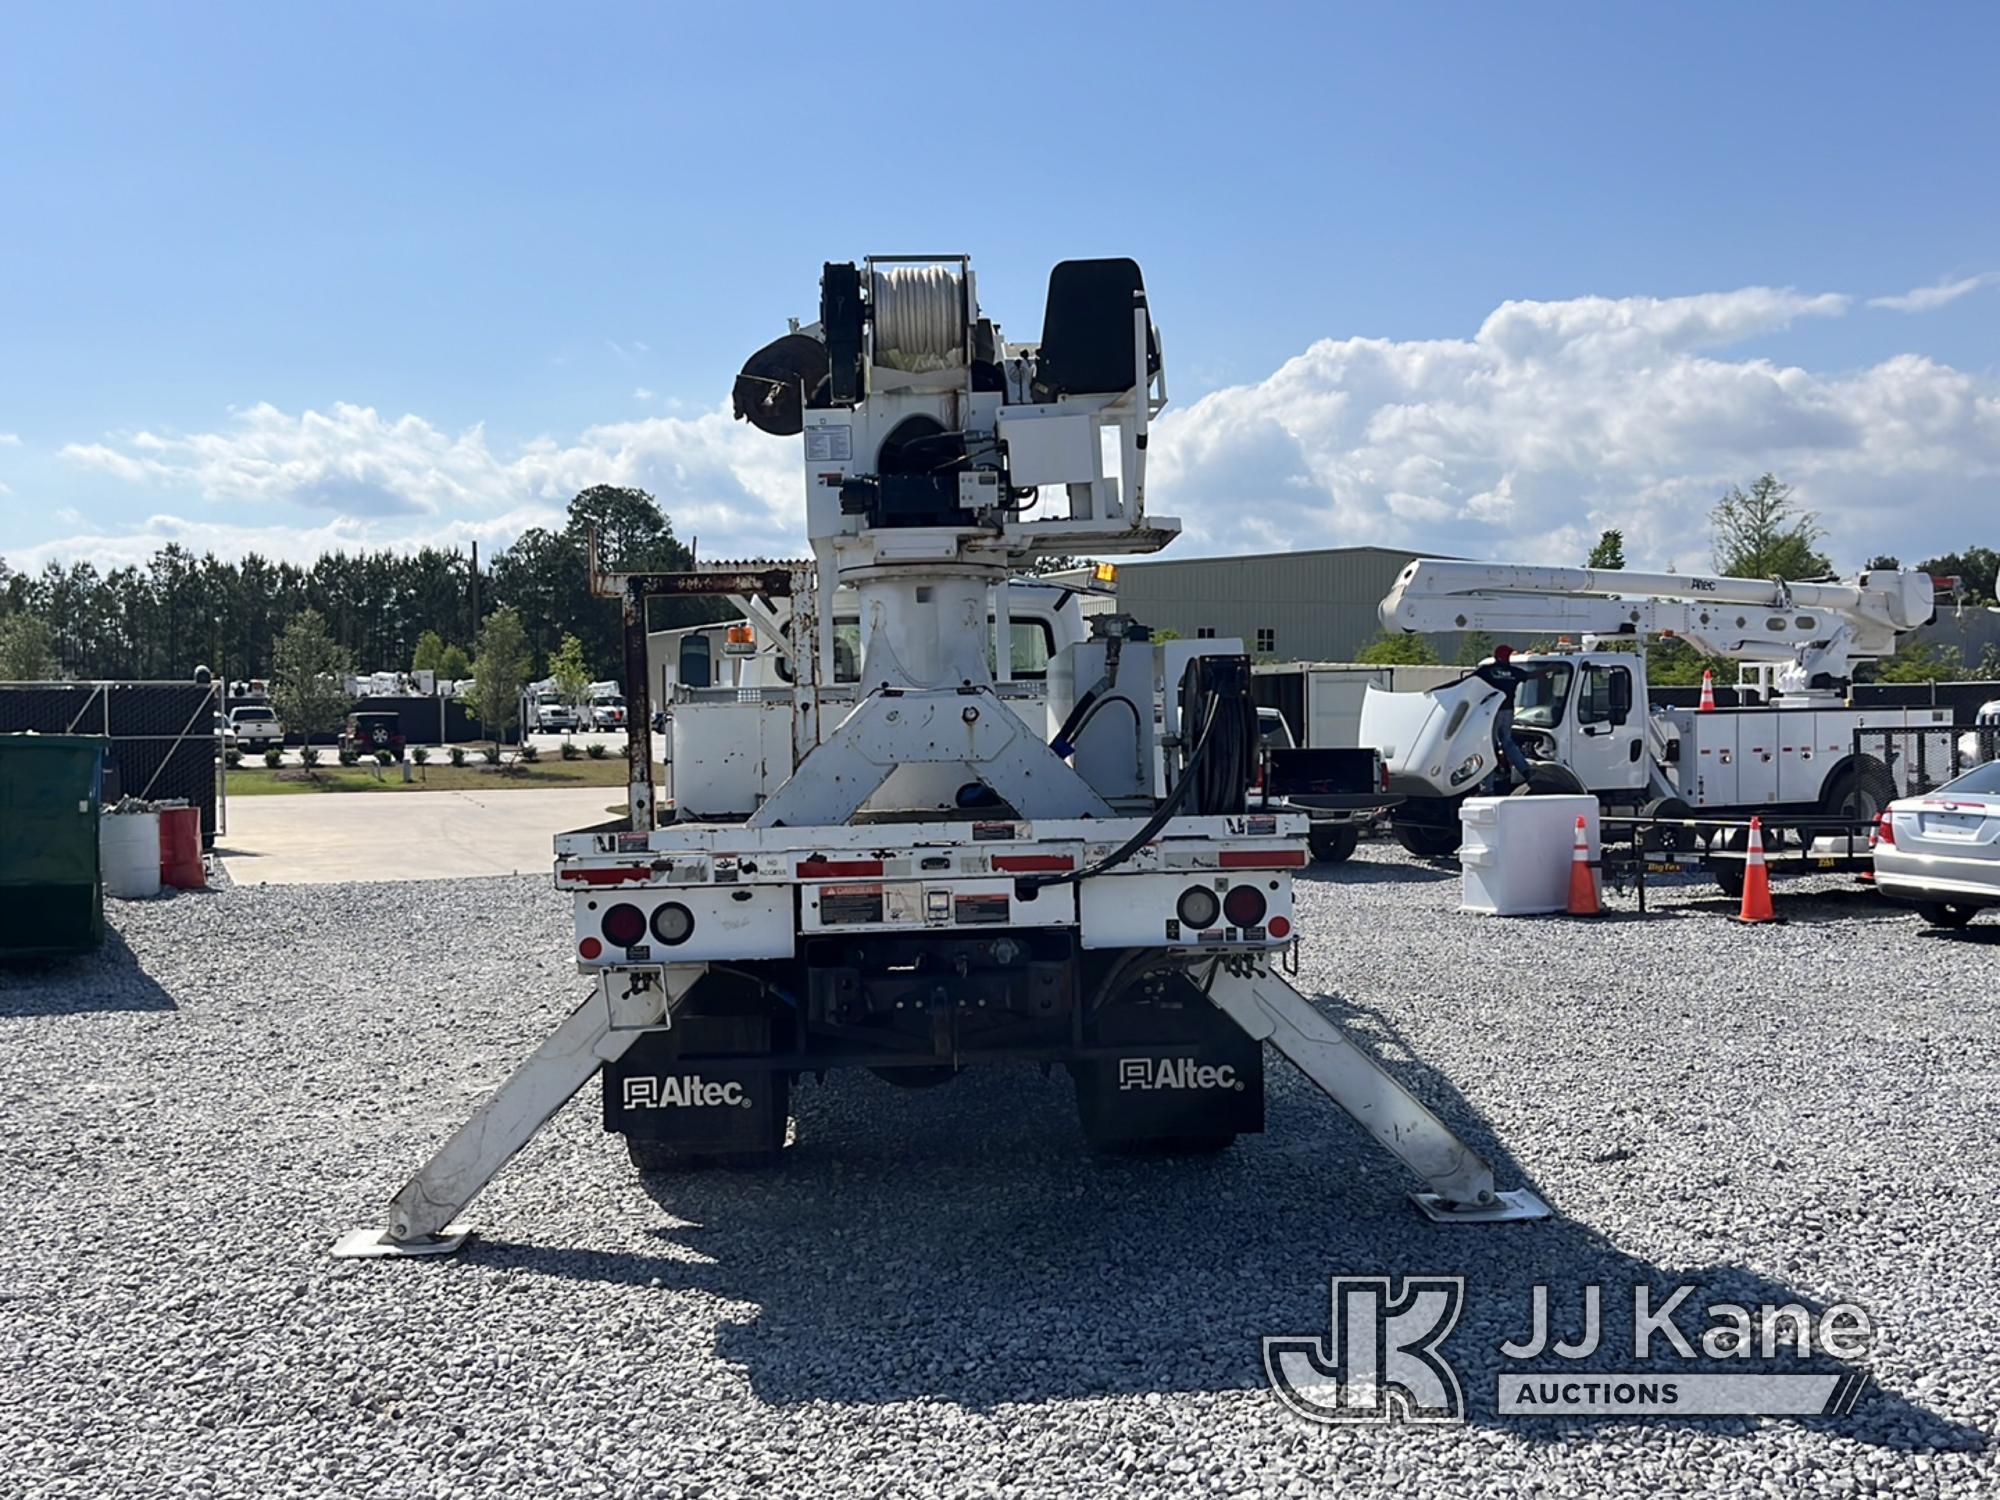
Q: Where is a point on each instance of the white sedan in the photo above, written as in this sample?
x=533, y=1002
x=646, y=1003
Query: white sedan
x=1941, y=851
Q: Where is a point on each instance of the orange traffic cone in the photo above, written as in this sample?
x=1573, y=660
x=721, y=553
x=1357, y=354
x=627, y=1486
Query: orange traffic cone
x=1707, y=691
x=1582, y=879
x=1756, y=879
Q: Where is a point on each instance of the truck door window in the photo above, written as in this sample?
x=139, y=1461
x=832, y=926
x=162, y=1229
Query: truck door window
x=1030, y=648
x=1540, y=701
x=1593, y=703
x=1606, y=697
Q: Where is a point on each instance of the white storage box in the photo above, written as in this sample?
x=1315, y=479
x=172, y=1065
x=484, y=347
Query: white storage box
x=1516, y=852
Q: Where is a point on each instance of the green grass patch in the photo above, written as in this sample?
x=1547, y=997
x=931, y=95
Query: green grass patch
x=247, y=781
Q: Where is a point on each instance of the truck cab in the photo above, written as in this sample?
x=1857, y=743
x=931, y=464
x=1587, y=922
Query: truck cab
x=1582, y=716
x=730, y=740
x=1580, y=713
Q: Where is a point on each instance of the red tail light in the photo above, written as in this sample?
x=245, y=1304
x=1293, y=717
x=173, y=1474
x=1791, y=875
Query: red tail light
x=624, y=925
x=1885, y=831
x=1244, y=906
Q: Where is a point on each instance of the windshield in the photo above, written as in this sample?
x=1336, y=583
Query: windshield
x=1981, y=781
x=253, y=713
x=1541, y=700
x=610, y=702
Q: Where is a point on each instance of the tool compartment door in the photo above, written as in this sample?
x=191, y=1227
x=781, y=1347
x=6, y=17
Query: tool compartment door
x=1708, y=760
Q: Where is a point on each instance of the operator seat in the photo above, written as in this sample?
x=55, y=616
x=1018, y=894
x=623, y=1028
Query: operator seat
x=1086, y=346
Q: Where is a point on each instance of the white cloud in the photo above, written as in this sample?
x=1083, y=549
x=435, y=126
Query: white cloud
x=1557, y=419
x=640, y=393
x=10, y=439
x=300, y=544
x=1929, y=298
x=382, y=482
x=1550, y=422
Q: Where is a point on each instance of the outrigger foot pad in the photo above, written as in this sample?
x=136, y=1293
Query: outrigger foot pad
x=377, y=1244
x=1518, y=1203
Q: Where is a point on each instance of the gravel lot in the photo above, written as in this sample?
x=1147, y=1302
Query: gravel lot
x=939, y=1291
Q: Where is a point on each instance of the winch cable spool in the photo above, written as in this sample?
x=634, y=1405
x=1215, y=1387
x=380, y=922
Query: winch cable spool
x=920, y=318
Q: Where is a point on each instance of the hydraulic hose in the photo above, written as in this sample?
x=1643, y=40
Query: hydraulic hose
x=1153, y=825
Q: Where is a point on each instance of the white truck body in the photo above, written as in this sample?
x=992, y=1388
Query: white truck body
x=1042, y=915
x=1584, y=719
x=1732, y=758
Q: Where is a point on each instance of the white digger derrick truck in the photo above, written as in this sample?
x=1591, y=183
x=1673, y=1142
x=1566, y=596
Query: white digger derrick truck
x=1584, y=725
x=1104, y=898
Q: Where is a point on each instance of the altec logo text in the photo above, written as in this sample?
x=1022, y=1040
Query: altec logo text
x=684, y=1092
x=1174, y=1073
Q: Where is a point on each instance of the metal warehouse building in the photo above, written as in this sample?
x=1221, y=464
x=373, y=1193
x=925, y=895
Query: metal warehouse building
x=1291, y=606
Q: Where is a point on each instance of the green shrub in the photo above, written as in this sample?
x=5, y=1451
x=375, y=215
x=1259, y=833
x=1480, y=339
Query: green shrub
x=232, y=757
x=458, y=755
x=570, y=751
x=597, y=750
x=274, y=756
x=421, y=754
x=385, y=757
x=348, y=756
x=529, y=754
x=309, y=755
x=492, y=754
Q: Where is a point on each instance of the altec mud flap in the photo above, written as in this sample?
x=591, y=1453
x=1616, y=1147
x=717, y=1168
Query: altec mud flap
x=677, y=1088
x=1215, y=1088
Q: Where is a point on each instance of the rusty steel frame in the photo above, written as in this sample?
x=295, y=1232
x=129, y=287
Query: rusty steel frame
x=632, y=590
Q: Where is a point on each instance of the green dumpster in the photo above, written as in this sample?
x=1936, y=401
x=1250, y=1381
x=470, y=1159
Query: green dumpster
x=51, y=896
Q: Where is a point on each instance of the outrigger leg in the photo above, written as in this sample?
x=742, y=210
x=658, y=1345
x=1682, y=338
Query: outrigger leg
x=602, y=1029
x=1270, y=1010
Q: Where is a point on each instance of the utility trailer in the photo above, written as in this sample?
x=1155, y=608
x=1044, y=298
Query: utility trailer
x=1637, y=846
x=1105, y=898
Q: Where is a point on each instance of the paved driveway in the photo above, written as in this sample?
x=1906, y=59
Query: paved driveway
x=340, y=836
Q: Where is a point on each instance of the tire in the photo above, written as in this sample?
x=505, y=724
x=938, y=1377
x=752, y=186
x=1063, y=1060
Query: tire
x=1333, y=843
x=1859, y=791
x=916, y=1078
x=1729, y=873
x=1667, y=840
x=1947, y=913
x=1547, y=779
x=1168, y=1145
x=1427, y=841
x=653, y=1157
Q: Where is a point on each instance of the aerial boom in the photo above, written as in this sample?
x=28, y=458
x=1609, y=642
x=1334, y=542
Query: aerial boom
x=1822, y=628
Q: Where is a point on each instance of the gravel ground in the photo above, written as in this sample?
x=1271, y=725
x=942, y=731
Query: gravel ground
x=939, y=1292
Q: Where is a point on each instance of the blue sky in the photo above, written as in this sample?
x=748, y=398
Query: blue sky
x=284, y=277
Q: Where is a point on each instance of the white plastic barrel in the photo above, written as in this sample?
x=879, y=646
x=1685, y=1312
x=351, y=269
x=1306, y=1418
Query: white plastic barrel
x=1516, y=852
x=128, y=849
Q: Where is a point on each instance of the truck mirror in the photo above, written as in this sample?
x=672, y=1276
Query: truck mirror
x=1621, y=695
x=697, y=664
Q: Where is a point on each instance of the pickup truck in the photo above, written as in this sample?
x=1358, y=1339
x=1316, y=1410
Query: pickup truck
x=256, y=727
x=1340, y=790
x=552, y=715
x=607, y=712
